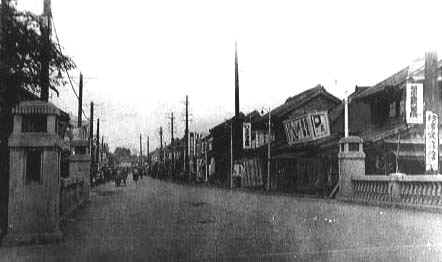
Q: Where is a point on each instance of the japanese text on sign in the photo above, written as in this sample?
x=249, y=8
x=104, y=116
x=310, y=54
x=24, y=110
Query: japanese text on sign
x=308, y=127
x=431, y=142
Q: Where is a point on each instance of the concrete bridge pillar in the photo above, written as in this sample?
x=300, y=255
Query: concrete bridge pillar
x=351, y=159
x=34, y=185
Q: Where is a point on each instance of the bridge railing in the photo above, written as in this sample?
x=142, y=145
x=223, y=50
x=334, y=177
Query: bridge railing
x=399, y=189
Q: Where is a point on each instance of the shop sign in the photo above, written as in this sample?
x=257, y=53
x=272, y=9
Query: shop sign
x=431, y=142
x=308, y=127
x=414, y=103
x=247, y=135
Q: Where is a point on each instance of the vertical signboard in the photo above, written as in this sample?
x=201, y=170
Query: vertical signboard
x=247, y=135
x=414, y=103
x=431, y=142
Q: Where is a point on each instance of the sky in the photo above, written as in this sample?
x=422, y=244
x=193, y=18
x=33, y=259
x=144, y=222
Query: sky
x=141, y=58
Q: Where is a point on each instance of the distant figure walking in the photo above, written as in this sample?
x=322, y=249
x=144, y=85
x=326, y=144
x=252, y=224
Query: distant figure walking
x=125, y=174
x=135, y=175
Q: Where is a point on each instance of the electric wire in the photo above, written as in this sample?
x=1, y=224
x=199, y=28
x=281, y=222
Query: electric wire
x=65, y=68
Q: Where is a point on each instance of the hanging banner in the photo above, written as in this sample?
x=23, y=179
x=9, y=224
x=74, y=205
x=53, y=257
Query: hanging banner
x=247, y=135
x=431, y=142
x=308, y=127
x=414, y=103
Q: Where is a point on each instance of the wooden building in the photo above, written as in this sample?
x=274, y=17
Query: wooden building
x=378, y=114
x=303, y=142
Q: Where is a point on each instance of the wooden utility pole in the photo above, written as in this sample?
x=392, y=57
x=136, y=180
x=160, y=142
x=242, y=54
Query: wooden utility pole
x=91, y=140
x=172, y=144
x=3, y=52
x=45, y=27
x=102, y=148
x=147, y=151
x=80, y=102
x=269, y=141
x=97, y=153
x=161, y=144
x=186, y=140
x=141, y=152
x=432, y=113
x=231, y=155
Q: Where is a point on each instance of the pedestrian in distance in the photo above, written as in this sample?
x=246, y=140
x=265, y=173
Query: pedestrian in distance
x=135, y=175
x=125, y=174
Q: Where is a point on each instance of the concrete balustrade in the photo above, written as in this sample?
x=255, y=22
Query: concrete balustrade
x=420, y=191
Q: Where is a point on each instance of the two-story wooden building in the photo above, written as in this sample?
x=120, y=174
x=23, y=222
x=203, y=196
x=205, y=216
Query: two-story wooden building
x=393, y=141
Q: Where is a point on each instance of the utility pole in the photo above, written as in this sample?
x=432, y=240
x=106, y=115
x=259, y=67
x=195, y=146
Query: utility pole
x=3, y=5
x=161, y=144
x=147, y=151
x=91, y=141
x=45, y=26
x=268, y=152
x=80, y=102
x=205, y=157
x=102, y=148
x=231, y=155
x=432, y=113
x=186, y=139
x=98, y=143
x=172, y=143
x=141, y=152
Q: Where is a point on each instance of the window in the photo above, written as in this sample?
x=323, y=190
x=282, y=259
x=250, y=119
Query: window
x=402, y=107
x=33, y=165
x=353, y=147
x=379, y=112
x=34, y=123
x=393, y=111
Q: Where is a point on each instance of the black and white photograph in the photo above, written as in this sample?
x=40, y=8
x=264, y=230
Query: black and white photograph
x=234, y=130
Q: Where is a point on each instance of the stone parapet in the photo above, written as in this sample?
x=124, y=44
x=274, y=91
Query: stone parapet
x=418, y=191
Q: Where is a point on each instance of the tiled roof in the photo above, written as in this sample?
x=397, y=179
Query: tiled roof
x=299, y=100
x=415, y=71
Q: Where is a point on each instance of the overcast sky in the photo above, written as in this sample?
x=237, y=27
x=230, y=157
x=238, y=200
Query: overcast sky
x=140, y=58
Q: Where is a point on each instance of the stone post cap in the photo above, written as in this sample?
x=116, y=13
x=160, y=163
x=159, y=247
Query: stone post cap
x=36, y=107
x=351, y=139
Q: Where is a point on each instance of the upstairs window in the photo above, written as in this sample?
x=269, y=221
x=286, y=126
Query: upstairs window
x=393, y=110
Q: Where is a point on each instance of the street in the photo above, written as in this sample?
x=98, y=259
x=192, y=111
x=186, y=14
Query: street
x=163, y=221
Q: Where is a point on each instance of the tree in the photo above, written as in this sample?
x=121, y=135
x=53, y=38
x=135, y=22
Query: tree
x=21, y=53
x=122, y=153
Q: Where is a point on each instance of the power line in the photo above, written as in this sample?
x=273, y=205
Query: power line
x=64, y=66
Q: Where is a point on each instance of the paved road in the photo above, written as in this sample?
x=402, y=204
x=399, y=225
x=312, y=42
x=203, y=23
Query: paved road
x=162, y=221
